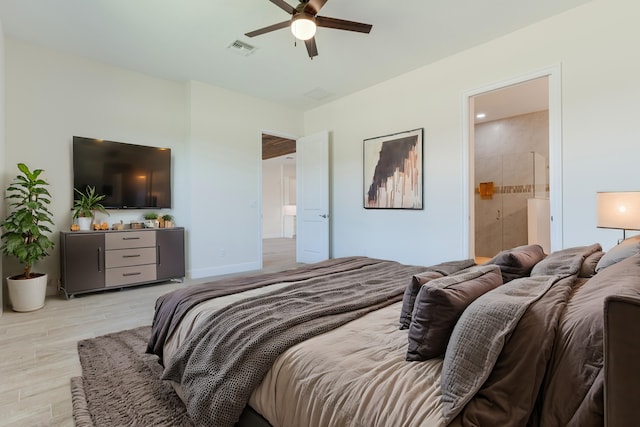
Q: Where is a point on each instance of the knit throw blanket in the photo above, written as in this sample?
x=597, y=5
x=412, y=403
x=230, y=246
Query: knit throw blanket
x=172, y=307
x=223, y=361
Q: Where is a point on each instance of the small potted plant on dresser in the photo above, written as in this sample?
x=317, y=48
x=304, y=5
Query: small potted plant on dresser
x=86, y=205
x=24, y=237
x=168, y=220
x=151, y=220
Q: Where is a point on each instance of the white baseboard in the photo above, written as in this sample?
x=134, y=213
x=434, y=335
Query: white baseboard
x=272, y=236
x=224, y=269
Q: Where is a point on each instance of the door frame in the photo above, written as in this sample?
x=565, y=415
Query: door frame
x=281, y=135
x=553, y=73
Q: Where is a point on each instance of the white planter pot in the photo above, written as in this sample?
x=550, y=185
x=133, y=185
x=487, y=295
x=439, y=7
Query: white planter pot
x=84, y=223
x=27, y=294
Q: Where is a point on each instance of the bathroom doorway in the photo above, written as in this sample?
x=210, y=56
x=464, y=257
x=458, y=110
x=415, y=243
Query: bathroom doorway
x=510, y=186
x=511, y=135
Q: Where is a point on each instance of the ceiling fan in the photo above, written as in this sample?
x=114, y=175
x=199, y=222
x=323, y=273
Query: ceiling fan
x=304, y=21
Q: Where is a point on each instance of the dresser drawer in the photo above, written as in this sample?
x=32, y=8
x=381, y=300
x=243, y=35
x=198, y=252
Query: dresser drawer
x=130, y=239
x=128, y=257
x=128, y=275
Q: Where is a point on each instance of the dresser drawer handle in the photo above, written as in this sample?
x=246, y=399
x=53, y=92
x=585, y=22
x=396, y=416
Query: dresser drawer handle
x=131, y=256
x=130, y=238
x=131, y=274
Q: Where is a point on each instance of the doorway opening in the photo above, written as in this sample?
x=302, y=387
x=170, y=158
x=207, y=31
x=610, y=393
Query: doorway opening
x=514, y=165
x=278, y=202
x=511, y=157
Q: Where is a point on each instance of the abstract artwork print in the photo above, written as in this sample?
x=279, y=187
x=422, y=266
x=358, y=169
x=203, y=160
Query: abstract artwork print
x=393, y=171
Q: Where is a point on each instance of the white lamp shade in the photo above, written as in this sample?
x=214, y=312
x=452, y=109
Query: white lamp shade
x=303, y=28
x=619, y=210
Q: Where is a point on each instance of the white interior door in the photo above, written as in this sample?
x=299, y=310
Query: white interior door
x=312, y=194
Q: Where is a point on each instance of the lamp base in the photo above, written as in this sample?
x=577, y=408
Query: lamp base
x=624, y=236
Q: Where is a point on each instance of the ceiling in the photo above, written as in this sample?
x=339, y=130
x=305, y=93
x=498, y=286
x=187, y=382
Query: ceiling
x=184, y=40
x=276, y=146
x=522, y=98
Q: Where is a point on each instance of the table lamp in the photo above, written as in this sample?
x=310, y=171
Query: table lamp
x=620, y=210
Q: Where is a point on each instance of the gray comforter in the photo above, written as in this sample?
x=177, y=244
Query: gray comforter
x=219, y=367
x=546, y=369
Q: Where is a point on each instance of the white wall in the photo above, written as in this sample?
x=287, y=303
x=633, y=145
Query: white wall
x=225, y=163
x=595, y=45
x=278, y=189
x=271, y=198
x=52, y=96
x=214, y=135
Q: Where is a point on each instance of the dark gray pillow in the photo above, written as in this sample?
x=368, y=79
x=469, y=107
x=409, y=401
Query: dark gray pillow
x=439, y=305
x=433, y=272
x=622, y=251
x=410, y=294
x=517, y=262
x=450, y=267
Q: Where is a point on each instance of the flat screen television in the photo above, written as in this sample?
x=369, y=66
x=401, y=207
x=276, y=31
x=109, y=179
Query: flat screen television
x=130, y=176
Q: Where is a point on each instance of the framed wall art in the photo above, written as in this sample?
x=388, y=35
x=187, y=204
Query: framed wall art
x=393, y=171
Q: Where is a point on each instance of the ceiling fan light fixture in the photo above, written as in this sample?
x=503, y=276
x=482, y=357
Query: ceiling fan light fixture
x=303, y=26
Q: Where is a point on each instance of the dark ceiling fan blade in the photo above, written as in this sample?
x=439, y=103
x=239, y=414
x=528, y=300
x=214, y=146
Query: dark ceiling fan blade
x=312, y=49
x=284, y=6
x=341, y=24
x=314, y=6
x=283, y=24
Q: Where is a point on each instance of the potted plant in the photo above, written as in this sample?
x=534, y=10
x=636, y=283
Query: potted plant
x=24, y=237
x=85, y=207
x=151, y=220
x=168, y=220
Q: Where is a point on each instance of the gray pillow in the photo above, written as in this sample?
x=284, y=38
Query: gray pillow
x=410, y=293
x=479, y=336
x=449, y=267
x=565, y=262
x=433, y=272
x=517, y=262
x=624, y=250
x=439, y=305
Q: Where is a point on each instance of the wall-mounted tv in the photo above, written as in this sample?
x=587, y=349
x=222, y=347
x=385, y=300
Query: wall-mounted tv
x=130, y=176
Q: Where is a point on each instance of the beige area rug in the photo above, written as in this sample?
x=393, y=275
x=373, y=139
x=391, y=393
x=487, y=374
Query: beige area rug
x=121, y=385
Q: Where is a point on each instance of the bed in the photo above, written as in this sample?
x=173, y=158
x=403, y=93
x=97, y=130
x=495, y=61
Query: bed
x=358, y=341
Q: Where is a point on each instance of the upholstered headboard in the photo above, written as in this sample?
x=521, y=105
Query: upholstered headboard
x=621, y=360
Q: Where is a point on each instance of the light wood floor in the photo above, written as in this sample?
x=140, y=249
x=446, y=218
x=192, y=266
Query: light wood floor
x=278, y=253
x=38, y=350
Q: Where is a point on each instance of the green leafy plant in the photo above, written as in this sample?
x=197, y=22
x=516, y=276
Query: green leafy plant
x=167, y=217
x=24, y=229
x=88, y=203
x=150, y=215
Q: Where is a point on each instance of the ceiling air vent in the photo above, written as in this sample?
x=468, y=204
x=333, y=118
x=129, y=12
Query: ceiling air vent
x=241, y=47
x=318, y=94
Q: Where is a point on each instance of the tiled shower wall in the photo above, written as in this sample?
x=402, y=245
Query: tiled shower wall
x=512, y=153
